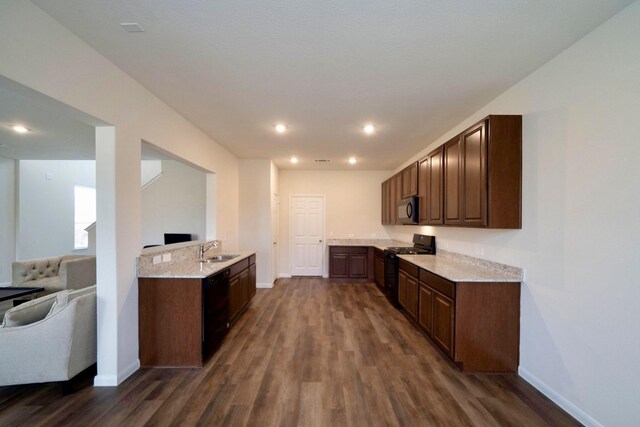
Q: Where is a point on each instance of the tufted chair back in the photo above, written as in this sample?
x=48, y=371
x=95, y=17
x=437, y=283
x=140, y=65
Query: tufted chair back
x=36, y=269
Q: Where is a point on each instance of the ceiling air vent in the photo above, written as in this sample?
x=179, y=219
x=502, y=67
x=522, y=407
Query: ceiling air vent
x=322, y=161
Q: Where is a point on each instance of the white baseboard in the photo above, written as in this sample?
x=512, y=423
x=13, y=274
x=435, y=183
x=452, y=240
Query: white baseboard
x=559, y=400
x=284, y=276
x=264, y=285
x=116, y=380
x=5, y=284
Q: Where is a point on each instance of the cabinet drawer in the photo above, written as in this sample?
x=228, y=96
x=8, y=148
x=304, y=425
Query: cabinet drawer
x=436, y=282
x=410, y=269
x=349, y=250
x=236, y=268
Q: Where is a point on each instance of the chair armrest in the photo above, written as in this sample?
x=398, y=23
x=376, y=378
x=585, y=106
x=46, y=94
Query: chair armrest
x=78, y=272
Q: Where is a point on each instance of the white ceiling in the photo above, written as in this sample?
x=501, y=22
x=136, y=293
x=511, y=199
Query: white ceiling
x=415, y=68
x=54, y=134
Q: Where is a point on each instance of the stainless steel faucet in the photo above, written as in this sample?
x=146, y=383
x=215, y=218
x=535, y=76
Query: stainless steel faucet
x=206, y=246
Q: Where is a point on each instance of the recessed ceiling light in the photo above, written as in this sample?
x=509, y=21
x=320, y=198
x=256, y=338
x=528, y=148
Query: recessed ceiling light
x=294, y=160
x=352, y=160
x=369, y=129
x=280, y=128
x=132, y=27
x=20, y=129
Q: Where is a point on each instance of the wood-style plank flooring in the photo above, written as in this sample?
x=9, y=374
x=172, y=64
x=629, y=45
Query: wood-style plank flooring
x=307, y=352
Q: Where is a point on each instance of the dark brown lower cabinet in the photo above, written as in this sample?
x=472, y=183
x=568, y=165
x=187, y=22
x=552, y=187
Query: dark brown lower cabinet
x=408, y=288
x=425, y=311
x=242, y=286
x=476, y=324
x=443, y=311
x=349, y=262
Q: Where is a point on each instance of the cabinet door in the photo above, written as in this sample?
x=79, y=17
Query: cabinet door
x=410, y=180
x=434, y=187
x=357, y=268
x=412, y=296
x=452, y=181
x=245, y=286
x=338, y=265
x=443, y=311
x=252, y=280
x=378, y=270
x=396, y=195
x=425, y=310
x=383, y=203
x=235, y=296
x=402, y=288
x=474, y=169
x=423, y=203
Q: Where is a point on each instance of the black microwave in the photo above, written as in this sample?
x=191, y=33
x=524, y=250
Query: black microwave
x=408, y=210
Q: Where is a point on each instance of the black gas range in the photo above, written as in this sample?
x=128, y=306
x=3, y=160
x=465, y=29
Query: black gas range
x=422, y=245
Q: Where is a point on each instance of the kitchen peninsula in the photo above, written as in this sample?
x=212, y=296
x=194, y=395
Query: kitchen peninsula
x=187, y=304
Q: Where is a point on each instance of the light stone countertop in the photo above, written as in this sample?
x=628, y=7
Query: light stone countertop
x=191, y=268
x=460, y=268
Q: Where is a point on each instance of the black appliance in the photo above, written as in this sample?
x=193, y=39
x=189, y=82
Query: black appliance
x=215, y=312
x=170, y=238
x=422, y=245
x=408, y=210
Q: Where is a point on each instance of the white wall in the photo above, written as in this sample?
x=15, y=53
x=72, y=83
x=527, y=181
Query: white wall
x=7, y=218
x=42, y=55
x=175, y=203
x=255, y=216
x=46, y=205
x=150, y=170
x=352, y=204
x=581, y=223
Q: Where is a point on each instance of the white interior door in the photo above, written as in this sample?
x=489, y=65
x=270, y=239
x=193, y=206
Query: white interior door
x=307, y=235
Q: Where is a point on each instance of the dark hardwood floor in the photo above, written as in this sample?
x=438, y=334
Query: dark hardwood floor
x=307, y=352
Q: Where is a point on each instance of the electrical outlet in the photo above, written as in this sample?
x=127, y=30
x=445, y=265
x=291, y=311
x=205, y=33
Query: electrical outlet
x=166, y=257
x=479, y=250
x=351, y=235
x=373, y=235
x=157, y=259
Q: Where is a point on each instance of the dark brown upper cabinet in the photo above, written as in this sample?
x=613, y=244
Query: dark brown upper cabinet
x=472, y=180
x=452, y=181
x=410, y=180
x=430, y=188
x=490, y=180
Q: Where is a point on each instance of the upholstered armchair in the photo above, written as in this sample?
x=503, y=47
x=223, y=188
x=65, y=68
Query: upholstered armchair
x=55, y=273
x=52, y=338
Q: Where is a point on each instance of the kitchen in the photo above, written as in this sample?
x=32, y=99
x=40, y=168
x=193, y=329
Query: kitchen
x=577, y=246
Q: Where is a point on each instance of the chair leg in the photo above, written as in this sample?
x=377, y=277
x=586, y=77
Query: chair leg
x=80, y=381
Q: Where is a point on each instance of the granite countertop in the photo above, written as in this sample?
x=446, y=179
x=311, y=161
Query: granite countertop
x=461, y=268
x=191, y=268
x=381, y=244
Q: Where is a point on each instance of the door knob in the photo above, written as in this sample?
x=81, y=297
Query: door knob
x=319, y=241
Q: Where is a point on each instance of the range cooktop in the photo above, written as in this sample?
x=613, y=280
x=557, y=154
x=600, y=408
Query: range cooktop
x=409, y=251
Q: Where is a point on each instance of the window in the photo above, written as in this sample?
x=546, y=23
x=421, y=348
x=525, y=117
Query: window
x=85, y=214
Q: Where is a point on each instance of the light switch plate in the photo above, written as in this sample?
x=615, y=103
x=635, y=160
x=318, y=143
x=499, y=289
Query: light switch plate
x=157, y=259
x=166, y=257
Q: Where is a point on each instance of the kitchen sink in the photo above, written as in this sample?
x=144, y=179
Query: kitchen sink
x=219, y=258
